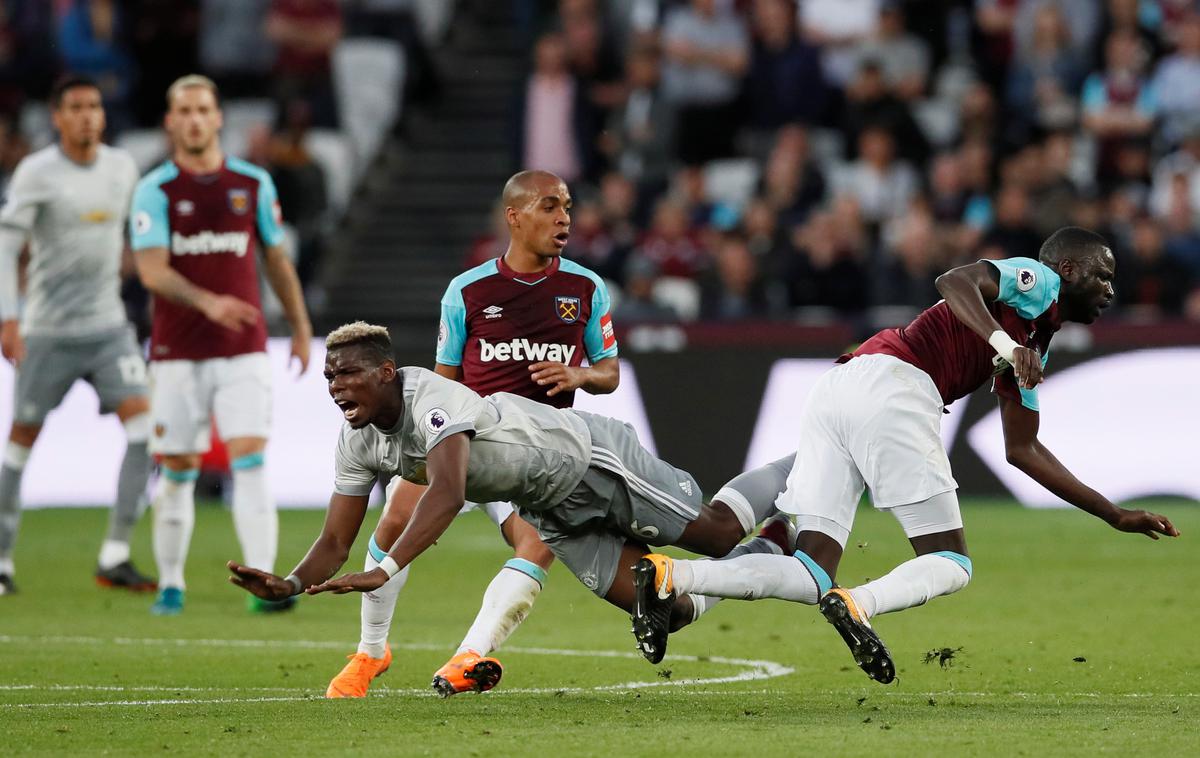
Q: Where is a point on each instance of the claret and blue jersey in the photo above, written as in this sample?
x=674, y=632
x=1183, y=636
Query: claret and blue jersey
x=210, y=224
x=495, y=322
x=957, y=359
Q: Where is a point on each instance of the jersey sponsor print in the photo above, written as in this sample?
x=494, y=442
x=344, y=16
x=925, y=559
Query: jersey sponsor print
x=209, y=224
x=496, y=322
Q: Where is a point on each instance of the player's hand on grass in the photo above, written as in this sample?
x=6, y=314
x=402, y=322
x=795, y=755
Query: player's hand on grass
x=362, y=582
x=1027, y=365
x=230, y=312
x=1144, y=522
x=559, y=377
x=260, y=583
x=11, y=344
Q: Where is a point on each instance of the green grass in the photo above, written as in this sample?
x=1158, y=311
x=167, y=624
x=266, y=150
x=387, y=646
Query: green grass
x=89, y=671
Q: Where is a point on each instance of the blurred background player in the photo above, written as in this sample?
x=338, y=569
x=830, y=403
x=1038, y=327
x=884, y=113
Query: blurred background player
x=521, y=323
x=72, y=199
x=874, y=421
x=196, y=223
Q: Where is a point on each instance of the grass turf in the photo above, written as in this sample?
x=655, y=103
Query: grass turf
x=1072, y=639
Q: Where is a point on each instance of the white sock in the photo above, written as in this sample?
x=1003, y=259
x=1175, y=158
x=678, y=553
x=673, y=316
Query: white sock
x=174, y=515
x=748, y=577
x=254, y=515
x=702, y=604
x=506, y=603
x=113, y=553
x=377, y=609
x=913, y=582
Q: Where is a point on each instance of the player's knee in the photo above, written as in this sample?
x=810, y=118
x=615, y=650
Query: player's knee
x=137, y=428
x=722, y=532
x=958, y=576
x=534, y=551
x=24, y=435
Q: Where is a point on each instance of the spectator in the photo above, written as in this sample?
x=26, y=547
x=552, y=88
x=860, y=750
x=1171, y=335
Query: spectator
x=305, y=33
x=1149, y=282
x=1046, y=75
x=670, y=244
x=592, y=53
x=707, y=53
x=1118, y=103
x=1012, y=234
x=494, y=242
x=733, y=288
x=869, y=103
x=792, y=183
x=557, y=132
x=1053, y=191
x=687, y=187
x=913, y=258
x=1182, y=240
x=784, y=83
x=993, y=50
x=89, y=37
x=824, y=271
x=1177, y=81
x=233, y=49
x=640, y=136
x=1184, y=165
x=1136, y=16
x=165, y=32
x=27, y=53
x=618, y=204
x=903, y=57
x=637, y=304
x=1085, y=15
x=881, y=184
x=837, y=27
x=593, y=246
x=300, y=182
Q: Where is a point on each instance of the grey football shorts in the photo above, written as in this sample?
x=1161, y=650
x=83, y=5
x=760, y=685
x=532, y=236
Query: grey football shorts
x=626, y=495
x=110, y=361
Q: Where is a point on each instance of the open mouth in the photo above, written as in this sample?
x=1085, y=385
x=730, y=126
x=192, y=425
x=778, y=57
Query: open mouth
x=560, y=239
x=349, y=409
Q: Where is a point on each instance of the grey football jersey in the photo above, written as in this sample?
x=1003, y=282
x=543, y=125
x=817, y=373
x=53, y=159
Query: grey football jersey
x=76, y=216
x=521, y=451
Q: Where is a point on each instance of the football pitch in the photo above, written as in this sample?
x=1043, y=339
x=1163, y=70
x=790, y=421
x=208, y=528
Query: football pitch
x=1072, y=639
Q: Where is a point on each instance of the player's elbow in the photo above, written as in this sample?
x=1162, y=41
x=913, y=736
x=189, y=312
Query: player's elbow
x=1019, y=457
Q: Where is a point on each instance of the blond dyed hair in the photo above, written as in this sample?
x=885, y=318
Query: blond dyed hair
x=189, y=81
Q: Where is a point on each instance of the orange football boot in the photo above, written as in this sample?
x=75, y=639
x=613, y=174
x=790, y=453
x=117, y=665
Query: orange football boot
x=355, y=679
x=467, y=672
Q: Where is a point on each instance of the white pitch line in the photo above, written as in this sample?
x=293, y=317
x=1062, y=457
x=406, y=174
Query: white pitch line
x=753, y=670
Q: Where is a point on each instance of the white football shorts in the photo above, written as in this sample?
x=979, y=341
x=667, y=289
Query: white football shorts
x=186, y=395
x=873, y=422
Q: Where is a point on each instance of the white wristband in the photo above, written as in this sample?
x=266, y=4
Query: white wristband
x=1003, y=344
x=389, y=566
x=297, y=585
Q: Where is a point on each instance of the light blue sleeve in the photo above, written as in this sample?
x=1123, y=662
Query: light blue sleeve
x=598, y=337
x=1094, y=97
x=1147, y=102
x=452, y=330
x=270, y=219
x=149, y=225
x=1029, y=398
x=1026, y=285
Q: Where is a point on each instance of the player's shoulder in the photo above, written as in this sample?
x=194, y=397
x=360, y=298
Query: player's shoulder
x=571, y=268
x=158, y=176
x=474, y=274
x=117, y=156
x=246, y=168
x=38, y=163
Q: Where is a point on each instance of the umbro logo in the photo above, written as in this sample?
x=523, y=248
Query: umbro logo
x=492, y=311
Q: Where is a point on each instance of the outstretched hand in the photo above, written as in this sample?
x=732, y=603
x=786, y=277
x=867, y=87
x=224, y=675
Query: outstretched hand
x=1144, y=522
x=361, y=582
x=259, y=583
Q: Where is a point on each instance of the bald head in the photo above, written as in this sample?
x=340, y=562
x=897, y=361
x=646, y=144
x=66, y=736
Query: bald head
x=1074, y=243
x=527, y=187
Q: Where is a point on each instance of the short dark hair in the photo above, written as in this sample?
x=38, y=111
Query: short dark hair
x=1068, y=241
x=67, y=82
x=374, y=340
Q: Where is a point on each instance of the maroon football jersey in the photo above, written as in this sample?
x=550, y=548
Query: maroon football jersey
x=496, y=322
x=212, y=225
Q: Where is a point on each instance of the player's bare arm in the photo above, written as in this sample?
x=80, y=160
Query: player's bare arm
x=967, y=290
x=446, y=468
x=325, y=557
x=599, y=379
x=281, y=275
x=450, y=372
x=157, y=275
x=1028, y=454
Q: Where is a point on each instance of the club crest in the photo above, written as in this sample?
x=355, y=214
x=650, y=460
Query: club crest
x=239, y=201
x=567, y=308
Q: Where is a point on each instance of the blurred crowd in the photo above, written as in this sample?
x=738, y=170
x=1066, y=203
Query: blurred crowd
x=826, y=159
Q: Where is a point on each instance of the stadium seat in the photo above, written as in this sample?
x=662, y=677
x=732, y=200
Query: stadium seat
x=35, y=124
x=367, y=75
x=332, y=150
x=147, y=146
x=434, y=17
x=680, y=294
x=938, y=119
x=731, y=181
x=240, y=117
